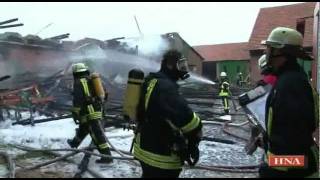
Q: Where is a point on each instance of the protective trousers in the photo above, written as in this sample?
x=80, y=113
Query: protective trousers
x=225, y=103
x=95, y=129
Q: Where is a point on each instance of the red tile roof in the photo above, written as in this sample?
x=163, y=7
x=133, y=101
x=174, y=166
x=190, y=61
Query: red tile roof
x=285, y=16
x=224, y=52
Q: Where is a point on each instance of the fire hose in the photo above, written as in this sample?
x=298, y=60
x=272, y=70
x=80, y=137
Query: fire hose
x=214, y=168
x=232, y=169
x=229, y=123
x=74, y=152
x=90, y=170
x=224, y=169
x=224, y=129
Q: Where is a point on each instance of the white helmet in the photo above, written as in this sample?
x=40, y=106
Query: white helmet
x=282, y=36
x=79, y=67
x=223, y=74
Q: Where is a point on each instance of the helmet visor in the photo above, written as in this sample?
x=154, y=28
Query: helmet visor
x=272, y=44
x=182, y=65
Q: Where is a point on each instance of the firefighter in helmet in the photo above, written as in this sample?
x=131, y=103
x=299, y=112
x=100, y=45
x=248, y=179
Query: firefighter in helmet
x=168, y=130
x=256, y=138
x=291, y=107
x=265, y=71
x=240, y=80
x=224, y=91
x=87, y=112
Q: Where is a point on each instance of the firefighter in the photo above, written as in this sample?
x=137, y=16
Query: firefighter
x=256, y=138
x=168, y=131
x=240, y=79
x=224, y=91
x=87, y=112
x=265, y=71
x=291, y=112
x=26, y=101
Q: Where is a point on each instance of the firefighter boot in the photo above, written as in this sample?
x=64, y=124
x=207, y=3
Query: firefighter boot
x=105, y=160
x=73, y=143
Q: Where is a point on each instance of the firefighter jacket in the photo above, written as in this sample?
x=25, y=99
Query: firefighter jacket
x=291, y=116
x=224, y=89
x=160, y=100
x=84, y=104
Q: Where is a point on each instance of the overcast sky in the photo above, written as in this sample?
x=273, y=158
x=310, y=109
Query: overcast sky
x=198, y=23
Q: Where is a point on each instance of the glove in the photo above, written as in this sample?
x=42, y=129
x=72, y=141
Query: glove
x=193, y=147
x=260, y=141
x=75, y=117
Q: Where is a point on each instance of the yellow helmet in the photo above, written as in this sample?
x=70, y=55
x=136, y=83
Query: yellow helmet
x=79, y=67
x=282, y=36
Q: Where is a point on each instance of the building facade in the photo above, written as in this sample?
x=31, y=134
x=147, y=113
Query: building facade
x=296, y=16
x=316, y=48
x=195, y=60
x=231, y=58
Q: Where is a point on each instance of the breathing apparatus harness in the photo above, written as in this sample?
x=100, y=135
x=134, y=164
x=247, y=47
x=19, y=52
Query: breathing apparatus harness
x=179, y=144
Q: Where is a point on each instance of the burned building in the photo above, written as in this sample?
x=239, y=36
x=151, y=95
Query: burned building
x=30, y=54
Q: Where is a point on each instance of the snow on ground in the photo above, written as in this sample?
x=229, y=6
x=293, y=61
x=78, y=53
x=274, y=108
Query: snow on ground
x=3, y=170
x=43, y=135
x=55, y=133
x=52, y=135
x=224, y=154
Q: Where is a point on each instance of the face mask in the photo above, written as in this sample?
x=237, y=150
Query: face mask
x=266, y=70
x=182, y=67
x=270, y=53
x=268, y=56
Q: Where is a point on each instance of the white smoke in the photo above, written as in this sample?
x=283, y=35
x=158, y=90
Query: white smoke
x=7, y=68
x=152, y=45
x=113, y=64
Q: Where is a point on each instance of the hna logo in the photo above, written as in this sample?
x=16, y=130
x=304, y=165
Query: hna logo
x=286, y=161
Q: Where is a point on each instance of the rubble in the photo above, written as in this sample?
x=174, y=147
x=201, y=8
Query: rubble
x=210, y=111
